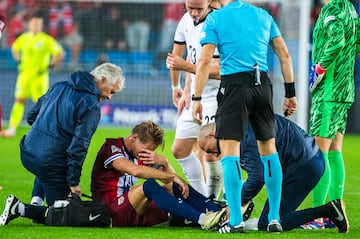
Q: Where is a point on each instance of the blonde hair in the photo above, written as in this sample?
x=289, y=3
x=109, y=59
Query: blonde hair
x=148, y=131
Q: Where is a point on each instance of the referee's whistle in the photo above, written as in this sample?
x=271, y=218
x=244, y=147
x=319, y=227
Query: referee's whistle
x=257, y=80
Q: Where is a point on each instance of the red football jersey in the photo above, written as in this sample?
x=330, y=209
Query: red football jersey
x=108, y=184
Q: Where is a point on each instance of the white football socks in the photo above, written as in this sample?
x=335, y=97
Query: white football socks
x=37, y=201
x=214, y=179
x=193, y=172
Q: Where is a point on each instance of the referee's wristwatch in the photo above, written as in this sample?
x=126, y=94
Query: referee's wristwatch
x=195, y=98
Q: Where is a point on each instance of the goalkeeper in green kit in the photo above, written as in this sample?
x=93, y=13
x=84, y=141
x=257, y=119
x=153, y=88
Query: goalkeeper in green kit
x=336, y=40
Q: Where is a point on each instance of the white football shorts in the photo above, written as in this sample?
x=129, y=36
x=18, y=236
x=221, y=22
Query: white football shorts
x=186, y=127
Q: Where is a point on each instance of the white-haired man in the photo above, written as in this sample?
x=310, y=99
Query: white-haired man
x=63, y=122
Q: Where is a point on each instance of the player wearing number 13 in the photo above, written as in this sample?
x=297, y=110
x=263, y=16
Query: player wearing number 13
x=187, y=38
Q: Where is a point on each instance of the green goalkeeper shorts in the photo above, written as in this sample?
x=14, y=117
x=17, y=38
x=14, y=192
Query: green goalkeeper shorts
x=328, y=118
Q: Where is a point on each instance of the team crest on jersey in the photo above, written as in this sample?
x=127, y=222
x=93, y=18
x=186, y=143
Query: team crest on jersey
x=121, y=200
x=39, y=45
x=115, y=149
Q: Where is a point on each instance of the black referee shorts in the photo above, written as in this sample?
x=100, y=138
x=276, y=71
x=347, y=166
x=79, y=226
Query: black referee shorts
x=240, y=100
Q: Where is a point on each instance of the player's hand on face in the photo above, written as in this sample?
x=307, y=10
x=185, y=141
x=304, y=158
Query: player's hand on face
x=151, y=157
x=197, y=112
x=147, y=156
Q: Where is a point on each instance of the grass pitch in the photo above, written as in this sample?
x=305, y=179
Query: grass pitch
x=15, y=179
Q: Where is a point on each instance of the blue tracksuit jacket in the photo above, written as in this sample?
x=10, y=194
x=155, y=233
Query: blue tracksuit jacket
x=301, y=160
x=63, y=123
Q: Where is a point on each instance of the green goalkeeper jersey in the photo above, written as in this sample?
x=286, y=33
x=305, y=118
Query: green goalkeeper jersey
x=335, y=42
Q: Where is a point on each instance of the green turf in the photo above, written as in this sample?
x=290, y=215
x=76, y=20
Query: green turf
x=16, y=180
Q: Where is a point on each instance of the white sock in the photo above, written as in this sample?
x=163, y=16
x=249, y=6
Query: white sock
x=21, y=209
x=37, y=201
x=193, y=172
x=201, y=219
x=214, y=178
x=251, y=224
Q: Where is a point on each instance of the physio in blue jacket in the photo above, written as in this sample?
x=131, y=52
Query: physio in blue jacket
x=302, y=165
x=63, y=122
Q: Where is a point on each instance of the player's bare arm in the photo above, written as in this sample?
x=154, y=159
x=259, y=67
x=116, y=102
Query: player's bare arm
x=214, y=72
x=202, y=75
x=56, y=59
x=16, y=55
x=178, y=63
x=278, y=45
x=150, y=157
x=142, y=171
x=179, y=50
x=184, y=101
x=183, y=186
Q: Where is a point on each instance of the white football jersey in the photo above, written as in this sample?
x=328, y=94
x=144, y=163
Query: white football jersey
x=188, y=33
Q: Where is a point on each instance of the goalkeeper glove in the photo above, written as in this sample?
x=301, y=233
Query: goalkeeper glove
x=316, y=75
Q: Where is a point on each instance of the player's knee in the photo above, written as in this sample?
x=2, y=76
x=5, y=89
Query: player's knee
x=336, y=145
x=180, y=152
x=149, y=187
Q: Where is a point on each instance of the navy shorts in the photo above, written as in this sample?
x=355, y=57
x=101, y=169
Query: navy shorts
x=240, y=100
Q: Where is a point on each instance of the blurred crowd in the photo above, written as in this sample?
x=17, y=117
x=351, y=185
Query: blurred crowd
x=117, y=26
x=90, y=25
x=99, y=26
